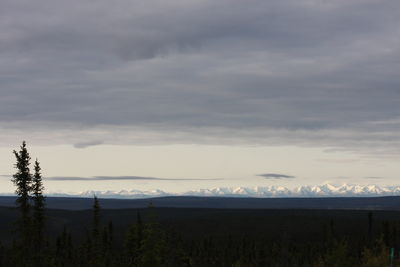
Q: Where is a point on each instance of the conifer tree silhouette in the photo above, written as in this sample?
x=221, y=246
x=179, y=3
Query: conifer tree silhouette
x=38, y=212
x=23, y=181
x=96, y=251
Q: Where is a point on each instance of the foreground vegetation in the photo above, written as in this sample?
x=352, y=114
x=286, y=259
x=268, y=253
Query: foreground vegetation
x=188, y=237
x=212, y=237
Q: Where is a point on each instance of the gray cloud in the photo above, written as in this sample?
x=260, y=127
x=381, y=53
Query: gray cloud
x=119, y=178
x=339, y=161
x=299, y=72
x=276, y=176
x=87, y=144
x=374, y=178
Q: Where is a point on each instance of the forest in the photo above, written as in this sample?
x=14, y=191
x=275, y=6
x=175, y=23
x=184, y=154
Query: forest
x=33, y=235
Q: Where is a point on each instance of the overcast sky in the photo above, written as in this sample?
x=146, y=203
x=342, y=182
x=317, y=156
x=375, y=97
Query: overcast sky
x=228, y=87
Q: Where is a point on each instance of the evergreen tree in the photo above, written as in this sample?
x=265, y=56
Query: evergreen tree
x=376, y=256
x=96, y=219
x=110, y=234
x=64, y=250
x=153, y=246
x=107, y=243
x=38, y=211
x=369, y=227
x=133, y=244
x=23, y=180
x=1, y=254
x=96, y=257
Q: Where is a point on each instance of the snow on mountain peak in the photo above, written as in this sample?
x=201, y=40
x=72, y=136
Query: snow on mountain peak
x=324, y=190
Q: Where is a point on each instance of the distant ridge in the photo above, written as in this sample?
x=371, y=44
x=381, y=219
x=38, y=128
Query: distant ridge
x=324, y=190
x=338, y=203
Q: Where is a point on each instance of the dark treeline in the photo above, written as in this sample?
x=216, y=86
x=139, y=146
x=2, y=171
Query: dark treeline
x=147, y=242
x=154, y=238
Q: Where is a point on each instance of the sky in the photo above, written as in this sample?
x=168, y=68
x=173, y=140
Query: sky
x=179, y=95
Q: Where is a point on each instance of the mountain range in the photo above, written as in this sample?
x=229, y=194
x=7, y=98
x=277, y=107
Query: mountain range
x=324, y=190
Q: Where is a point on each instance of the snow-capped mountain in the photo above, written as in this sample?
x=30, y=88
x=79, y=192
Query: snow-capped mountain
x=324, y=190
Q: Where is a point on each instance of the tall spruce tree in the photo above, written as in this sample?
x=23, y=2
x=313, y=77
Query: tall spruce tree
x=96, y=219
x=96, y=253
x=133, y=243
x=38, y=210
x=23, y=180
x=153, y=246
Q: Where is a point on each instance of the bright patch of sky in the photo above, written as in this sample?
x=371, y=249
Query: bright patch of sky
x=179, y=168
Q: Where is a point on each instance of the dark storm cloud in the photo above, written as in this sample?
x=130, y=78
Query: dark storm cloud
x=119, y=178
x=303, y=72
x=276, y=176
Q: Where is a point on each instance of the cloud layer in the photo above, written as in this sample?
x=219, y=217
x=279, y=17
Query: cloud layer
x=301, y=72
x=120, y=178
x=276, y=176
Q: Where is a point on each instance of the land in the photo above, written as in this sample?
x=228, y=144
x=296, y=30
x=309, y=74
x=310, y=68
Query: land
x=339, y=203
x=309, y=228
